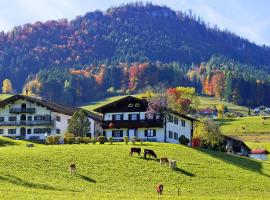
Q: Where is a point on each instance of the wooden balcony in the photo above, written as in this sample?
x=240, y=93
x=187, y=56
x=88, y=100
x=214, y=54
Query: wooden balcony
x=131, y=124
x=27, y=123
x=22, y=110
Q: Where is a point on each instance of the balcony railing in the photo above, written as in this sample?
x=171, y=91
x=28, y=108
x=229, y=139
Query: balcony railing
x=22, y=110
x=26, y=123
x=132, y=123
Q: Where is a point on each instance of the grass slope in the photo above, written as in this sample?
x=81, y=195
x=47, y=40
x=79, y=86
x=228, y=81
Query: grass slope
x=107, y=172
x=252, y=125
x=10, y=142
x=206, y=102
x=4, y=96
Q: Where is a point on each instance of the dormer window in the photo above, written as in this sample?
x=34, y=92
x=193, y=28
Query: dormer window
x=130, y=105
x=137, y=105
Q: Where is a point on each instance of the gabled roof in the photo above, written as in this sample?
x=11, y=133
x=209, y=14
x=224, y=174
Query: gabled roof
x=143, y=101
x=68, y=110
x=182, y=115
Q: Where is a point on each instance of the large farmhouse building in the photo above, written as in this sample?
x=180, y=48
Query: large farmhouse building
x=31, y=118
x=127, y=117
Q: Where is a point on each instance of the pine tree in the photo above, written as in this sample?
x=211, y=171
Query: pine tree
x=228, y=87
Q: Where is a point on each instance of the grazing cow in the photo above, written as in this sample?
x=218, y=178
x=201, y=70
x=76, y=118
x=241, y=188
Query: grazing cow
x=149, y=152
x=159, y=189
x=134, y=150
x=72, y=168
x=164, y=160
x=172, y=164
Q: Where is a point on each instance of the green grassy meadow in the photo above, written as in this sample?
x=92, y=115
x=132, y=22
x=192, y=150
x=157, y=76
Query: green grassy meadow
x=107, y=172
x=4, y=96
x=252, y=125
x=210, y=102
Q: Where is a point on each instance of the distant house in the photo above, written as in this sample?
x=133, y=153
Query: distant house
x=260, y=154
x=31, y=118
x=208, y=113
x=236, y=146
x=127, y=117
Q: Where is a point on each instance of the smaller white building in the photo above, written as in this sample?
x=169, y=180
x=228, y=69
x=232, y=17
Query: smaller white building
x=127, y=117
x=24, y=117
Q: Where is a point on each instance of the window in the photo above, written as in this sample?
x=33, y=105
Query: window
x=1, y=131
x=150, y=133
x=38, y=130
x=11, y=131
x=29, y=131
x=137, y=105
x=58, y=131
x=43, y=117
x=183, y=123
x=170, y=118
x=104, y=133
x=117, y=133
x=2, y=119
x=117, y=117
x=41, y=130
x=175, y=136
x=133, y=117
x=12, y=119
x=170, y=134
x=29, y=118
x=175, y=120
x=130, y=105
x=58, y=118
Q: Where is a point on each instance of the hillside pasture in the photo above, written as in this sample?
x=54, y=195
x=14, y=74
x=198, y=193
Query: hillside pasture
x=245, y=126
x=4, y=96
x=107, y=172
x=211, y=102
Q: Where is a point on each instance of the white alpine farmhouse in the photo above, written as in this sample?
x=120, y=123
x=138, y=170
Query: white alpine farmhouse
x=29, y=118
x=127, y=117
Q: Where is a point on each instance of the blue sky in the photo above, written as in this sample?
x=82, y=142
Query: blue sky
x=247, y=18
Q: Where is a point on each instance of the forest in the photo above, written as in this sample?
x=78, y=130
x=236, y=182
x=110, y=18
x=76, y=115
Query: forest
x=125, y=49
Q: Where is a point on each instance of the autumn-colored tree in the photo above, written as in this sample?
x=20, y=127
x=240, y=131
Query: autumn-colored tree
x=32, y=88
x=133, y=76
x=218, y=83
x=182, y=99
x=7, y=86
x=208, y=132
x=221, y=110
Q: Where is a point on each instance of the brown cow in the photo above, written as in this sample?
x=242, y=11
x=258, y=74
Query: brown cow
x=164, y=160
x=159, y=189
x=72, y=168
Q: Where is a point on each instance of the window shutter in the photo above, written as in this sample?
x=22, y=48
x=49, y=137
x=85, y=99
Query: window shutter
x=138, y=116
x=122, y=117
x=113, y=117
x=145, y=133
x=129, y=116
x=154, y=133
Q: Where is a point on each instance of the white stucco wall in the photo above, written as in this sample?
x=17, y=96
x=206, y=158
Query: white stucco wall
x=178, y=128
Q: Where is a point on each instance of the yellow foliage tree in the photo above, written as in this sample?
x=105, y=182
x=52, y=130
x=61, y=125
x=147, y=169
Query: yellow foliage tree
x=31, y=88
x=7, y=86
x=220, y=109
x=208, y=132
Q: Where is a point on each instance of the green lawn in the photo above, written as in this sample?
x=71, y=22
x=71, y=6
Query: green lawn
x=4, y=96
x=107, y=172
x=245, y=126
x=206, y=102
x=259, y=145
